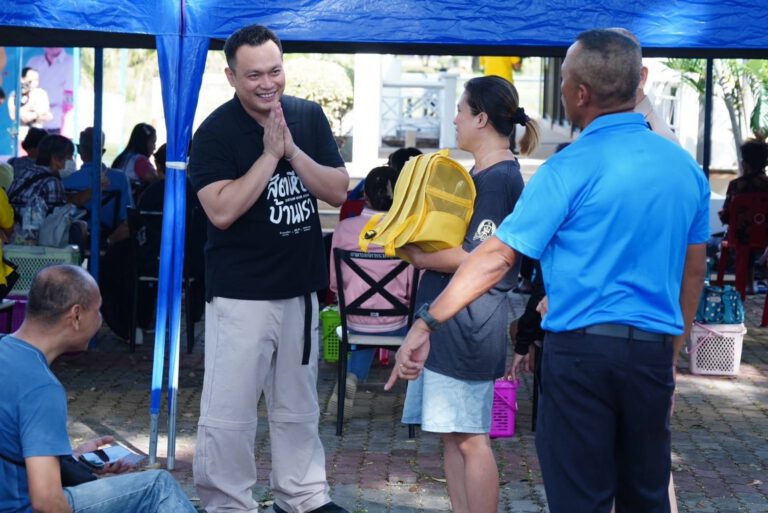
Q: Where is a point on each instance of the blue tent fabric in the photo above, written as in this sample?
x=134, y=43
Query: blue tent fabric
x=182, y=62
x=736, y=25
x=137, y=17
x=702, y=24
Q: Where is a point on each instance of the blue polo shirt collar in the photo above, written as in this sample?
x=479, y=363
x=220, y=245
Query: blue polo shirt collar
x=612, y=120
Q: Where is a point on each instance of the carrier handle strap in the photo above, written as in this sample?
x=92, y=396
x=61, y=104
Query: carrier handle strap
x=389, y=247
x=714, y=332
x=504, y=399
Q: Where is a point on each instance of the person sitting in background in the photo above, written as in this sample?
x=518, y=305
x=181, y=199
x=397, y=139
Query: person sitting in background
x=29, y=145
x=113, y=212
x=142, y=250
x=754, y=158
x=45, y=182
x=379, y=185
x=62, y=316
x=153, y=199
x=54, y=162
x=355, y=201
x=399, y=157
x=134, y=159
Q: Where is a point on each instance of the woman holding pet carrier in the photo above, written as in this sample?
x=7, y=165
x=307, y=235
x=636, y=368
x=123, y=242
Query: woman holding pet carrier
x=454, y=394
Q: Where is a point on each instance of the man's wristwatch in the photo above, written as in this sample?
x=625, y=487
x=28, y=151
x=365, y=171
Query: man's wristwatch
x=424, y=315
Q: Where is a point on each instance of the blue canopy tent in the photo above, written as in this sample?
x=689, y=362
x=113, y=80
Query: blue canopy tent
x=182, y=31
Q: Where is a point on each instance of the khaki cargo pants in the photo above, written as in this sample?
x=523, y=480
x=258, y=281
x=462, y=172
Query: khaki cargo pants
x=253, y=347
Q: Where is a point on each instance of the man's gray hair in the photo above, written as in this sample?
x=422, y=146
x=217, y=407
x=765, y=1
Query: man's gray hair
x=609, y=62
x=56, y=289
x=628, y=33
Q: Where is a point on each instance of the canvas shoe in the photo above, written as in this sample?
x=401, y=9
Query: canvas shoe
x=349, y=400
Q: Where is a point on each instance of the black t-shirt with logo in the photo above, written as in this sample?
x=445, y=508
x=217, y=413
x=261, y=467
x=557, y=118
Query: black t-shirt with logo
x=473, y=344
x=275, y=249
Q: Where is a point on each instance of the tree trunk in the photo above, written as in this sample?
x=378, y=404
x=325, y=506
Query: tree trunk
x=731, y=103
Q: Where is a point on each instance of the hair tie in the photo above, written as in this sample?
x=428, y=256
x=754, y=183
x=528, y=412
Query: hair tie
x=520, y=117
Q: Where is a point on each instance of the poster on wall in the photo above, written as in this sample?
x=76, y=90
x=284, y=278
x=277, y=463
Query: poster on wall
x=46, y=79
x=8, y=82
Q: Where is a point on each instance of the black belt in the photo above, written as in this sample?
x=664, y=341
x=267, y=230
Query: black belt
x=307, y=329
x=624, y=331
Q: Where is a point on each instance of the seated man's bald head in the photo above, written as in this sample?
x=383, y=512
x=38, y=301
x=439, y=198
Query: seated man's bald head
x=56, y=289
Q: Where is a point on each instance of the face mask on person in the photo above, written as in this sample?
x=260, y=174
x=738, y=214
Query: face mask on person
x=69, y=168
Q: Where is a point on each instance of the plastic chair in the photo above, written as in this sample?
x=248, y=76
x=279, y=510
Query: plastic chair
x=146, y=266
x=747, y=232
x=354, y=261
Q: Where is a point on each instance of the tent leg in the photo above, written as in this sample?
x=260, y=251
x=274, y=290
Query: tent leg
x=153, y=438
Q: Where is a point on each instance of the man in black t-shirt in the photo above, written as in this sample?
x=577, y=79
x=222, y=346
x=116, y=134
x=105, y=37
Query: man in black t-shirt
x=259, y=163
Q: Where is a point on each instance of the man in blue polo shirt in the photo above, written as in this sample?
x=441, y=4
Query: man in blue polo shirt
x=619, y=221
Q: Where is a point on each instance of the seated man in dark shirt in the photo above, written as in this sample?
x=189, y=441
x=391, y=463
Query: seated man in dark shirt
x=152, y=200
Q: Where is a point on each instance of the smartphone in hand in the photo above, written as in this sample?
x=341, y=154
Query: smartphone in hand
x=111, y=454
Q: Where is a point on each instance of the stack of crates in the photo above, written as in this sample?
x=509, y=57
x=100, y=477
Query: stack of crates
x=29, y=260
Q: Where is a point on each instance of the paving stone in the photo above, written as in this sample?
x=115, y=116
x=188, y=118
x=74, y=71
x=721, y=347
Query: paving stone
x=719, y=440
x=525, y=506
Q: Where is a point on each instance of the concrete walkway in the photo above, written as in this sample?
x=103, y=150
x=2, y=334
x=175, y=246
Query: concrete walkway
x=720, y=446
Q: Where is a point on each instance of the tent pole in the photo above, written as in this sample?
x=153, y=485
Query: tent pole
x=708, y=92
x=98, y=96
x=177, y=179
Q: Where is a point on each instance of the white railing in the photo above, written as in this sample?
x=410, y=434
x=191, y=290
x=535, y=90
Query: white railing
x=425, y=108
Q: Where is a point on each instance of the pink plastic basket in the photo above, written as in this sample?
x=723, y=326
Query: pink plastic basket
x=17, y=313
x=504, y=408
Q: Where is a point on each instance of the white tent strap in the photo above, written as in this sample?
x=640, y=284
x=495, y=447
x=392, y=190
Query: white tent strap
x=176, y=165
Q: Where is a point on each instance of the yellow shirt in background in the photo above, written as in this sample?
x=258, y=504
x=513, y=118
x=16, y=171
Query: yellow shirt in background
x=499, y=66
x=6, y=223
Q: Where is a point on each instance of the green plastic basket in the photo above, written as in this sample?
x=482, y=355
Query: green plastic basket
x=330, y=320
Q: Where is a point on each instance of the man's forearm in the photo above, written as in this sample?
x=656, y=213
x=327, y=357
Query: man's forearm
x=480, y=271
x=325, y=183
x=690, y=290
x=226, y=201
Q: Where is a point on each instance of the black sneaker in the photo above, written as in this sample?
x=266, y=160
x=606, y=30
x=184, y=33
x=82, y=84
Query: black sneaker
x=325, y=508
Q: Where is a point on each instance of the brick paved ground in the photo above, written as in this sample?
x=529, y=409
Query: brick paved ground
x=720, y=446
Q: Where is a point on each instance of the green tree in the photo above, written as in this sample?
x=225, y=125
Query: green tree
x=140, y=68
x=741, y=84
x=322, y=81
x=759, y=118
